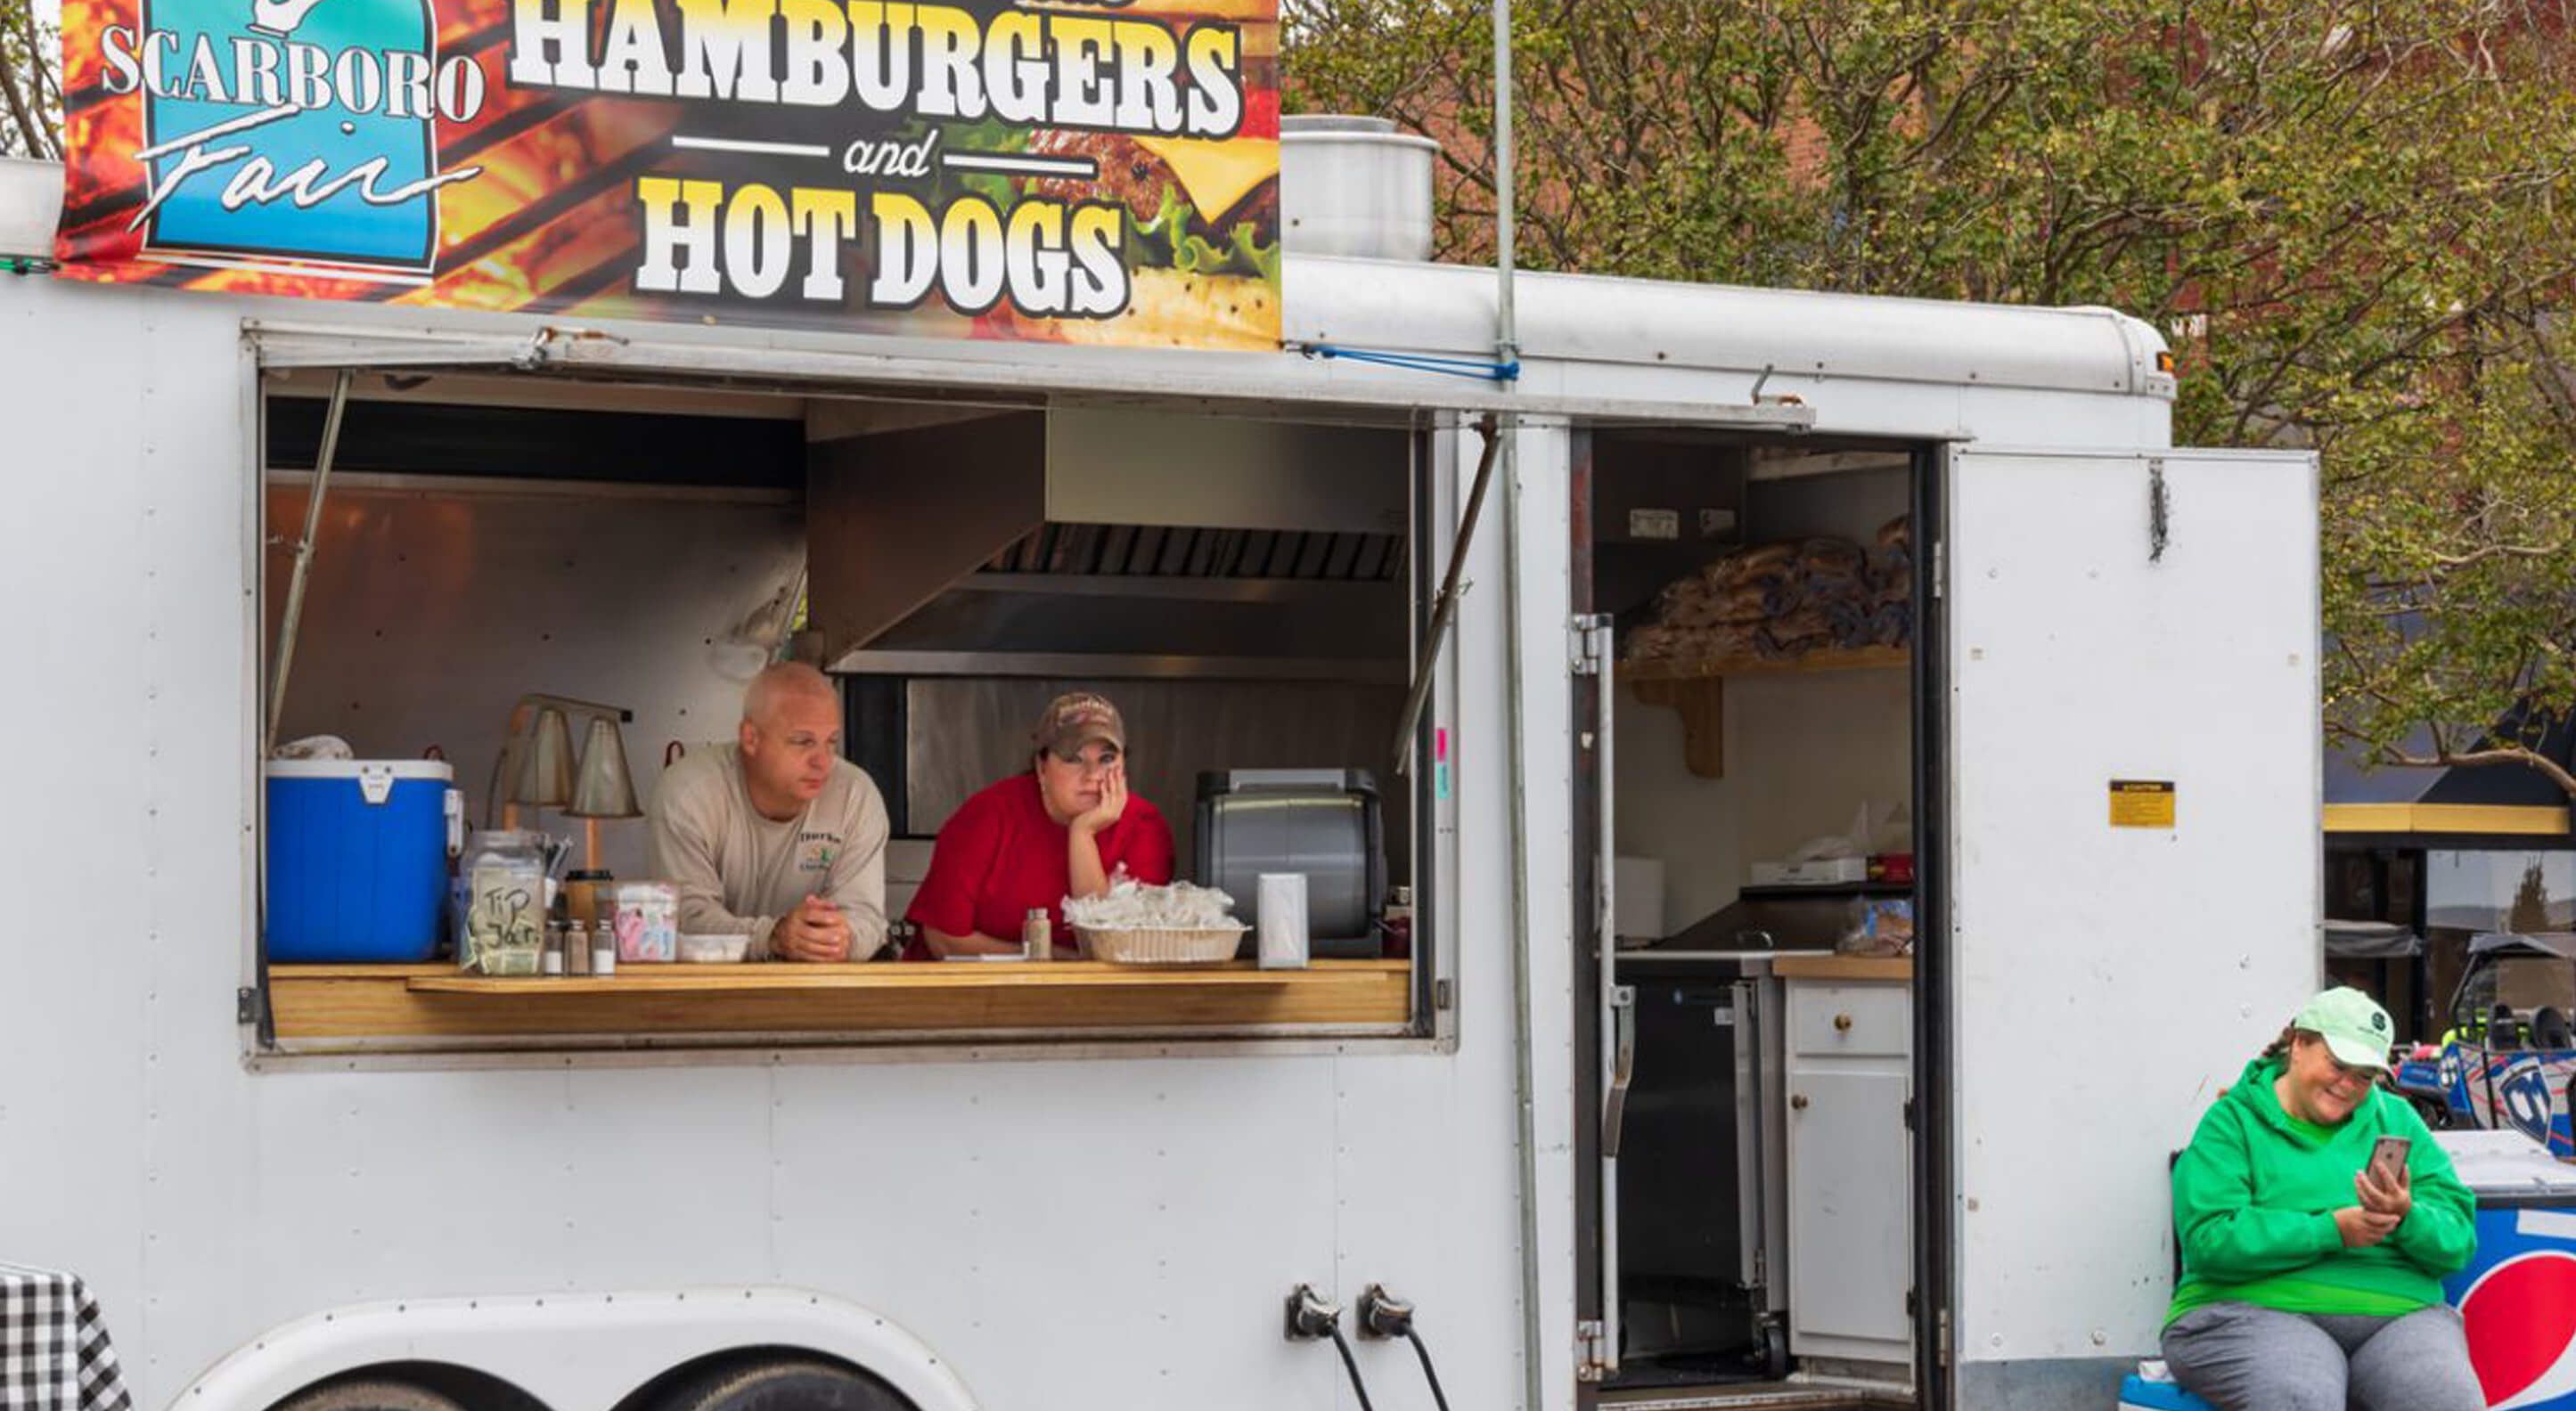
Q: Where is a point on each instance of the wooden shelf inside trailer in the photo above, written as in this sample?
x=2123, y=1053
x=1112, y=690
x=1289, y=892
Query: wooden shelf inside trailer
x=1854, y=659
x=663, y=1003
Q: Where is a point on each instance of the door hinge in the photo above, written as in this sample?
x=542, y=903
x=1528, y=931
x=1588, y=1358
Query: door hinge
x=1585, y=644
x=1909, y=1114
x=1591, y=1351
x=246, y=1005
x=1940, y=566
x=1444, y=994
x=1941, y=1338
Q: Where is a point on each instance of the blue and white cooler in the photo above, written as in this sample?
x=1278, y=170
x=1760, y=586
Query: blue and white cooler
x=357, y=858
x=2518, y=1295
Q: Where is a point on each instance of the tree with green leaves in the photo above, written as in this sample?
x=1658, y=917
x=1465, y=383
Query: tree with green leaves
x=31, y=90
x=2355, y=221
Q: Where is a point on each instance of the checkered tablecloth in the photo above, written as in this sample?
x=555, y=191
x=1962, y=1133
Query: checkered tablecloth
x=53, y=1346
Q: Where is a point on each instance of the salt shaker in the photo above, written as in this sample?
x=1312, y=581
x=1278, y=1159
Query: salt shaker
x=1037, y=935
x=603, y=952
x=552, y=961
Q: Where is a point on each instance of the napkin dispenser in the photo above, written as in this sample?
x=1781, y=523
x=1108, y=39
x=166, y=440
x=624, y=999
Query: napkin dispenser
x=1325, y=823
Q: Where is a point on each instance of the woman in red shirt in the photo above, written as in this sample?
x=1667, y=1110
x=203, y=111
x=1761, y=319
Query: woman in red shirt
x=1062, y=828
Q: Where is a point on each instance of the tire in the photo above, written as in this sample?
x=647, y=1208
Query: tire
x=369, y=1396
x=782, y=1386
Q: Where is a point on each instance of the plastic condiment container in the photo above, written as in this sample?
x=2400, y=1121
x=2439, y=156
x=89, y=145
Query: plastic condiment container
x=1037, y=935
x=643, y=919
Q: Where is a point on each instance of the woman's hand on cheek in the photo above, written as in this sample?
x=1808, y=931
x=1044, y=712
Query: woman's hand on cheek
x=1113, y=801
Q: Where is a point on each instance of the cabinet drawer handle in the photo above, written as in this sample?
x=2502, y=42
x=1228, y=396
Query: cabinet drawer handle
x=1842, y=1023
x=1798, y=1101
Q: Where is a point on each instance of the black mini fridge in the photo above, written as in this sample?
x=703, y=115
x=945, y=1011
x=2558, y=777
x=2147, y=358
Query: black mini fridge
x=1700, y=1207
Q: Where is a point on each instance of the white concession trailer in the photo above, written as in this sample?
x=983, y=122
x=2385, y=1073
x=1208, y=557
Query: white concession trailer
x=279, y=1179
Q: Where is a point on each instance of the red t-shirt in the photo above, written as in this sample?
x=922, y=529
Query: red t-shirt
x=1000, y=856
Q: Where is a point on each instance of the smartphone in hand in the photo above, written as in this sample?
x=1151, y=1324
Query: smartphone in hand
x=2388, y=1160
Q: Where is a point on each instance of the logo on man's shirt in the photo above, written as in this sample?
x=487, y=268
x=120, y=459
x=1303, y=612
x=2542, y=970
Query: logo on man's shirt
x=815, y=851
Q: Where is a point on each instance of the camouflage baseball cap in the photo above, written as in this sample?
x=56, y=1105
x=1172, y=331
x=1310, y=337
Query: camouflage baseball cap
x=1075, y=719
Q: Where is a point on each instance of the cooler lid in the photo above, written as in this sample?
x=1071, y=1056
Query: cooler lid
x=2500, y=1163
x=437, y=769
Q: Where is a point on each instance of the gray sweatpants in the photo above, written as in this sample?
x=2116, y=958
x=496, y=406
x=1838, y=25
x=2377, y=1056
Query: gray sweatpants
x=2239, y=1357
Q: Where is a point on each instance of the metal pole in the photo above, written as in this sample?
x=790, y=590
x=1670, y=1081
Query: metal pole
x=1507, y=352
x=1525, y=1079
x=294, y=617
x=1444, y=608
x=1507, y=324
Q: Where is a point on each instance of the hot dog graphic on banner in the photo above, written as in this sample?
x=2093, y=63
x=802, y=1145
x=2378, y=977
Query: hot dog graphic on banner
x=1099, y=172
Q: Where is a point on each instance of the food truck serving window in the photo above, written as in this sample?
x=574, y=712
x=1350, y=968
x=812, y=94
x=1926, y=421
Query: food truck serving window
x=536, y=776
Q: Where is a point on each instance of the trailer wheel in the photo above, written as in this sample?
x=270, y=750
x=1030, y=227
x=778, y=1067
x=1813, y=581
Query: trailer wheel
x=782, y=1386
x=369, y=1396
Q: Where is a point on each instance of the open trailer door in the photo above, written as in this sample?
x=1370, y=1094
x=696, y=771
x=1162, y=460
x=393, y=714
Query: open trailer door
x=2130, y=646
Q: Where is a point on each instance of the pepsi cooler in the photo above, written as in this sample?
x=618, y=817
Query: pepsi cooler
x=1325, y=823
x=2518, y=1295
x=357, y=858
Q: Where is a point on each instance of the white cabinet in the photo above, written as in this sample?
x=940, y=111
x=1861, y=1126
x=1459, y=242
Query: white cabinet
x=1850, y=1170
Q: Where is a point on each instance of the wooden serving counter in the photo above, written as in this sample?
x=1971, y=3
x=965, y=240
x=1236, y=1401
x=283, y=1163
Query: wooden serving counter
x=669, y=1002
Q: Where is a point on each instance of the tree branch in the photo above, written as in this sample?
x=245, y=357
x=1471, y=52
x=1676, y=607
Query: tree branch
x=2511, y=754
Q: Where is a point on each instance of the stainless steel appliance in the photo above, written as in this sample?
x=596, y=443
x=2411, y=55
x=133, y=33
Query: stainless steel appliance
x=1325, y=823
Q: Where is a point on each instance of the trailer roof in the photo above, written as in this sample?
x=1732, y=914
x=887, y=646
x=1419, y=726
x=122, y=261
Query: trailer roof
x=1594, y=348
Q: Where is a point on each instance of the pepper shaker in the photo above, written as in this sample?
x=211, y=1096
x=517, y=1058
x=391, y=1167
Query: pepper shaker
x=576, y=960
x=1037, y=936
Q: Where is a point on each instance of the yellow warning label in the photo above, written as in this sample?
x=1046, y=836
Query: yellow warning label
x=2142, y=803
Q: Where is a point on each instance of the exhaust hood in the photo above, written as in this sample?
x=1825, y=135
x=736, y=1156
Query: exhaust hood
x=1112, y=543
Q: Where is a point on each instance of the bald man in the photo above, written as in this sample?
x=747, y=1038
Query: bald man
x=776, y=836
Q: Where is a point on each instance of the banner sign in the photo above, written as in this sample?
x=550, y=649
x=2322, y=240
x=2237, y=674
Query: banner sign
x=1060, y=171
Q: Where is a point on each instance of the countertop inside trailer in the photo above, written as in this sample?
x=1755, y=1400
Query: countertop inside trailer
x=427, y=1003
x=1844, y=967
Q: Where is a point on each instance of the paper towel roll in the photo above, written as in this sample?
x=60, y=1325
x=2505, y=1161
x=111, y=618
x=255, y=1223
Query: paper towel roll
x=1283, y=920
x=1637, y=898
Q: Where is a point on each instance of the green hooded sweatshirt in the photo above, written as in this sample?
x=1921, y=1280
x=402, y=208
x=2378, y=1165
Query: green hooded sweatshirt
x=2254, y=1199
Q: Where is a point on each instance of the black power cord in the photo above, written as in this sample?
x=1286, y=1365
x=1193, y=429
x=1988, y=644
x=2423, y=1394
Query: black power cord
x=1310, y=1317
x=1428, y=1374
x=1383, y=1315
x=1352, y=1365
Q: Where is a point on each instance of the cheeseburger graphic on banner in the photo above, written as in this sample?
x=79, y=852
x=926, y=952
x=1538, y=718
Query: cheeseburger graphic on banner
x=1057, y=171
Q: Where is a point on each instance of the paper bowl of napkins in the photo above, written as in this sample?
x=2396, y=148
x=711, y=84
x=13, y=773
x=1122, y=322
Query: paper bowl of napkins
x=1136, y=924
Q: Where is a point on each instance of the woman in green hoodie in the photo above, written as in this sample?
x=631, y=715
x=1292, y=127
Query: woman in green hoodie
x=2307, y=1280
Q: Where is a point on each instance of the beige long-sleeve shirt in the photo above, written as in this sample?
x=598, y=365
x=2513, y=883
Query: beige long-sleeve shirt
x=738, y=872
